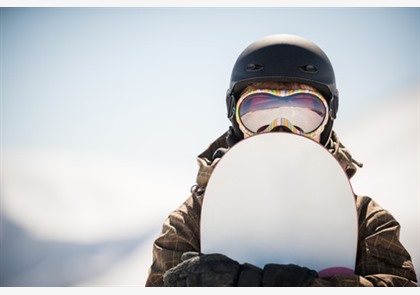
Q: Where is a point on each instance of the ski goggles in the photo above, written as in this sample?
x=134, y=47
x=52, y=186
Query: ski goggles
x=304, y=112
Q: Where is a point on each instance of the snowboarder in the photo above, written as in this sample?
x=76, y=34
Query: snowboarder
x=270, y=73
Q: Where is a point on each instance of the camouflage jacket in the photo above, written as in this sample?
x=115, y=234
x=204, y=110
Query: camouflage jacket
x=381, y=258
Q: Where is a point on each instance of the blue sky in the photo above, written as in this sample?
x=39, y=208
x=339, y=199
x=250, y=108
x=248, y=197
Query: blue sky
x=132, y=80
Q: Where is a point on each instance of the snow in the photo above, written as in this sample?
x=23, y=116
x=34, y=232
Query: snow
x=71, y=219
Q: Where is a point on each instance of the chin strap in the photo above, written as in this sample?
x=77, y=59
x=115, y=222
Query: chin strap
x=232, y=138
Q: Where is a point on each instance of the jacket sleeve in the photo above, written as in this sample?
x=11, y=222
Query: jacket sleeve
x=180, y=233
x=381, y=258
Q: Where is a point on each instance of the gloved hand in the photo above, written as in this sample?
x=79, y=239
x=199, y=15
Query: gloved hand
x=201, y=270
x=290, y=275
x=218, y=270
x=275, y=275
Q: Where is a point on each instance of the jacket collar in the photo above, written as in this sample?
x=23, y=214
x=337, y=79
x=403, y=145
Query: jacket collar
x=208, y=159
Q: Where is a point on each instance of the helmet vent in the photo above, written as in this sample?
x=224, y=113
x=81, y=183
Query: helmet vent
x=311, y=69
x=254, y=67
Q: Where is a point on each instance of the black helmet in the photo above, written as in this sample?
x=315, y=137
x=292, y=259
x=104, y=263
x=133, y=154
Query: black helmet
x=283, y=58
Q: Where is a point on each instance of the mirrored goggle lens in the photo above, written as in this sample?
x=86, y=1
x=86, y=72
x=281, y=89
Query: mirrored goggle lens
x=304, y=110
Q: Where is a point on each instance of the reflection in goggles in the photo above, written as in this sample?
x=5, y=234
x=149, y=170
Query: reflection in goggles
x=305, y=110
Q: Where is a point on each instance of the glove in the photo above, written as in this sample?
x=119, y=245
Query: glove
x=275, y=275
x=218, y=270
x=201, y=270
x=290, y=275
x=249, y=276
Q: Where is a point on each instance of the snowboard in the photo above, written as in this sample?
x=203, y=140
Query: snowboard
x=281, y=198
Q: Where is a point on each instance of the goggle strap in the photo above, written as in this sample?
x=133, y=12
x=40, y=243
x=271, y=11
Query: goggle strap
x=230, y=103
x=333, y=106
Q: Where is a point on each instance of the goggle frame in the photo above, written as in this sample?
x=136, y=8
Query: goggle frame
x=283, y=93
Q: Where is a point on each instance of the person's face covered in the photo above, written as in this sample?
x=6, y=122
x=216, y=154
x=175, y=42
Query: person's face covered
x=282, y=107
